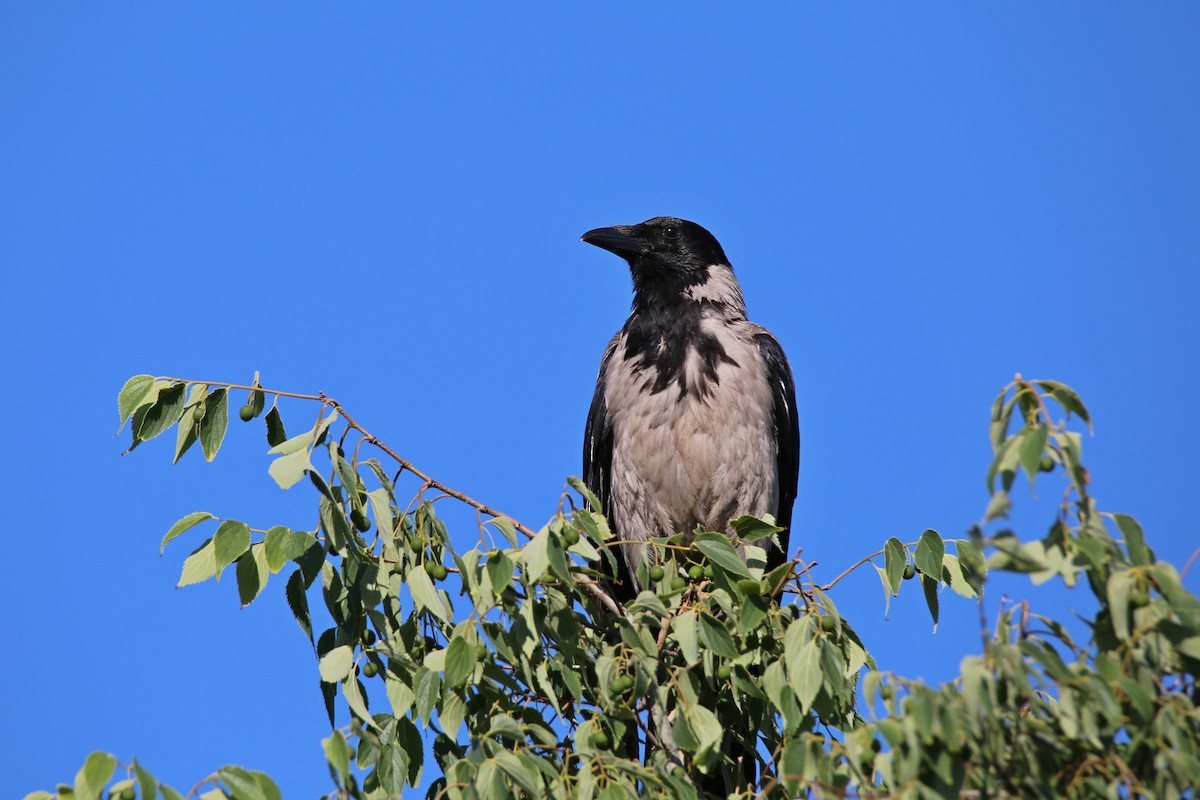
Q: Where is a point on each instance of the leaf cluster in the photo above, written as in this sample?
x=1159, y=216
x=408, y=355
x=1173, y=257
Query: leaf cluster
x=507, y=659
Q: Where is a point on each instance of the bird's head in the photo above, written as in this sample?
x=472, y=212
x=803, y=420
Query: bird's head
x=668, y=258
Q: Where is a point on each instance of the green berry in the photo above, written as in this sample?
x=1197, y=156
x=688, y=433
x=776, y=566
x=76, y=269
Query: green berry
x=1046, y=464
x=828, y=623
x=724, y=672
x=657, y=573
x=436, y=570
x=909, y=572
x=571, y=536
x=677, y=583
x=621, y=684
x=368, y=637
x=708, y=571
x=370, y=669
x=360, y=520
x=246, y=412
x=600, y=740
x=695, y=572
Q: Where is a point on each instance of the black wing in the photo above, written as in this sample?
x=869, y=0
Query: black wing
x=787, y=437
x=597, y=470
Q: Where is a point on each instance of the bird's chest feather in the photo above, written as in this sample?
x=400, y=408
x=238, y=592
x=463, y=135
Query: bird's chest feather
x=692, y=425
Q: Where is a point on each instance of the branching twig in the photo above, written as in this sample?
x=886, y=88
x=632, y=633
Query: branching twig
x=430, y=482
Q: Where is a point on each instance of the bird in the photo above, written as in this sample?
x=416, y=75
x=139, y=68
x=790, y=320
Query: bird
x=693, y=421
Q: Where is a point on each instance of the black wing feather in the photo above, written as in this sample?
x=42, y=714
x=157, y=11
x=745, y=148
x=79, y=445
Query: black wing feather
x=597, y=470
x=787, y=437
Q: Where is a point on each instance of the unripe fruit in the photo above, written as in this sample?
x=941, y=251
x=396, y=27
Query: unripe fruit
x=368, y=637
x=436, y=571
x=621, y=684
x=198, y=412
x=571, y=536
x=600, y=740
x=370, y=669
x=724, y=672
x=828, y=623
x=360, y=520
x=909, y=572
x=708, y=571
x=677, y=583
x=657, y=573
x=695, y=572
x=246, y=412
x=1046, y=464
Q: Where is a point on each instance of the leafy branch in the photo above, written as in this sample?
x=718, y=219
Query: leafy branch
x=707, y=684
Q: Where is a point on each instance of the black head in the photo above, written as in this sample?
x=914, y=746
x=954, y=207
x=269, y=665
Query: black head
x=663, y=253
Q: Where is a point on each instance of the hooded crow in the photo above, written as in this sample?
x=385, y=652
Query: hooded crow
x=693, y=422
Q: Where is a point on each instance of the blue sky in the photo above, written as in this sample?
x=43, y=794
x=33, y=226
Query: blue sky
x=384, y=203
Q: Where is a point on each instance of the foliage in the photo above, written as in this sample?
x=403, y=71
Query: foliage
x=511, y=659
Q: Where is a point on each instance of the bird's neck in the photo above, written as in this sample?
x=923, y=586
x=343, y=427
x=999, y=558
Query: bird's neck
x=715, y=292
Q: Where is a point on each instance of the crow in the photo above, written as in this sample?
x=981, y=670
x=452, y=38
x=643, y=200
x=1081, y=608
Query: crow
x=693, y=422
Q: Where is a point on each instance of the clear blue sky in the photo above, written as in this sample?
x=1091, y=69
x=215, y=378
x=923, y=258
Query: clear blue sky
x=385, y=204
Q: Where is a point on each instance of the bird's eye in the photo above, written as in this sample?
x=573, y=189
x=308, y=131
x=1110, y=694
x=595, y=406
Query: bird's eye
x=671, y=233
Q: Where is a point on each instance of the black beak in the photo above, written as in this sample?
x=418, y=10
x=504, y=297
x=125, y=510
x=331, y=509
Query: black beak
x=620, y=239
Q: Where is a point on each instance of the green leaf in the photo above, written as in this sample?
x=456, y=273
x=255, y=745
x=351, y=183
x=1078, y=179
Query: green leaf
x=380, y=503
x=460, y=662
x=185, y=524
x=804, y=669
x=215, y=423
x=337, y=752
x=287, y=470
x=189, y=423
x=888, y=592
x=1135, y=541
x=1068, y=399
x=256, y=399
x=147, y=783
x=275, y=432
x=337, y=663
x=165, y=412
x=928, y=558
x=231, y=540
x=252, y=573
x=1001, y=416
x=1117, y=590
x=96, y=772
x=895, y=558
x=241, y=782
x=135, y=391
x=751, y=529
x=972, y=560
x=717, y=549
x=1033, y=444
x=931, y=598
x=536, y=555
x=518, y=772
x=283, y=545
x=500, y=571
x=356, y=698
x=200, y=565
x=687, y=634
x=707, y=730
x=998, y=506
x=425, y=595
x=715, y=635
x=505, y=526
x=792, y=767
x=297, y=601
x=584, y=492
x=955, y=576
